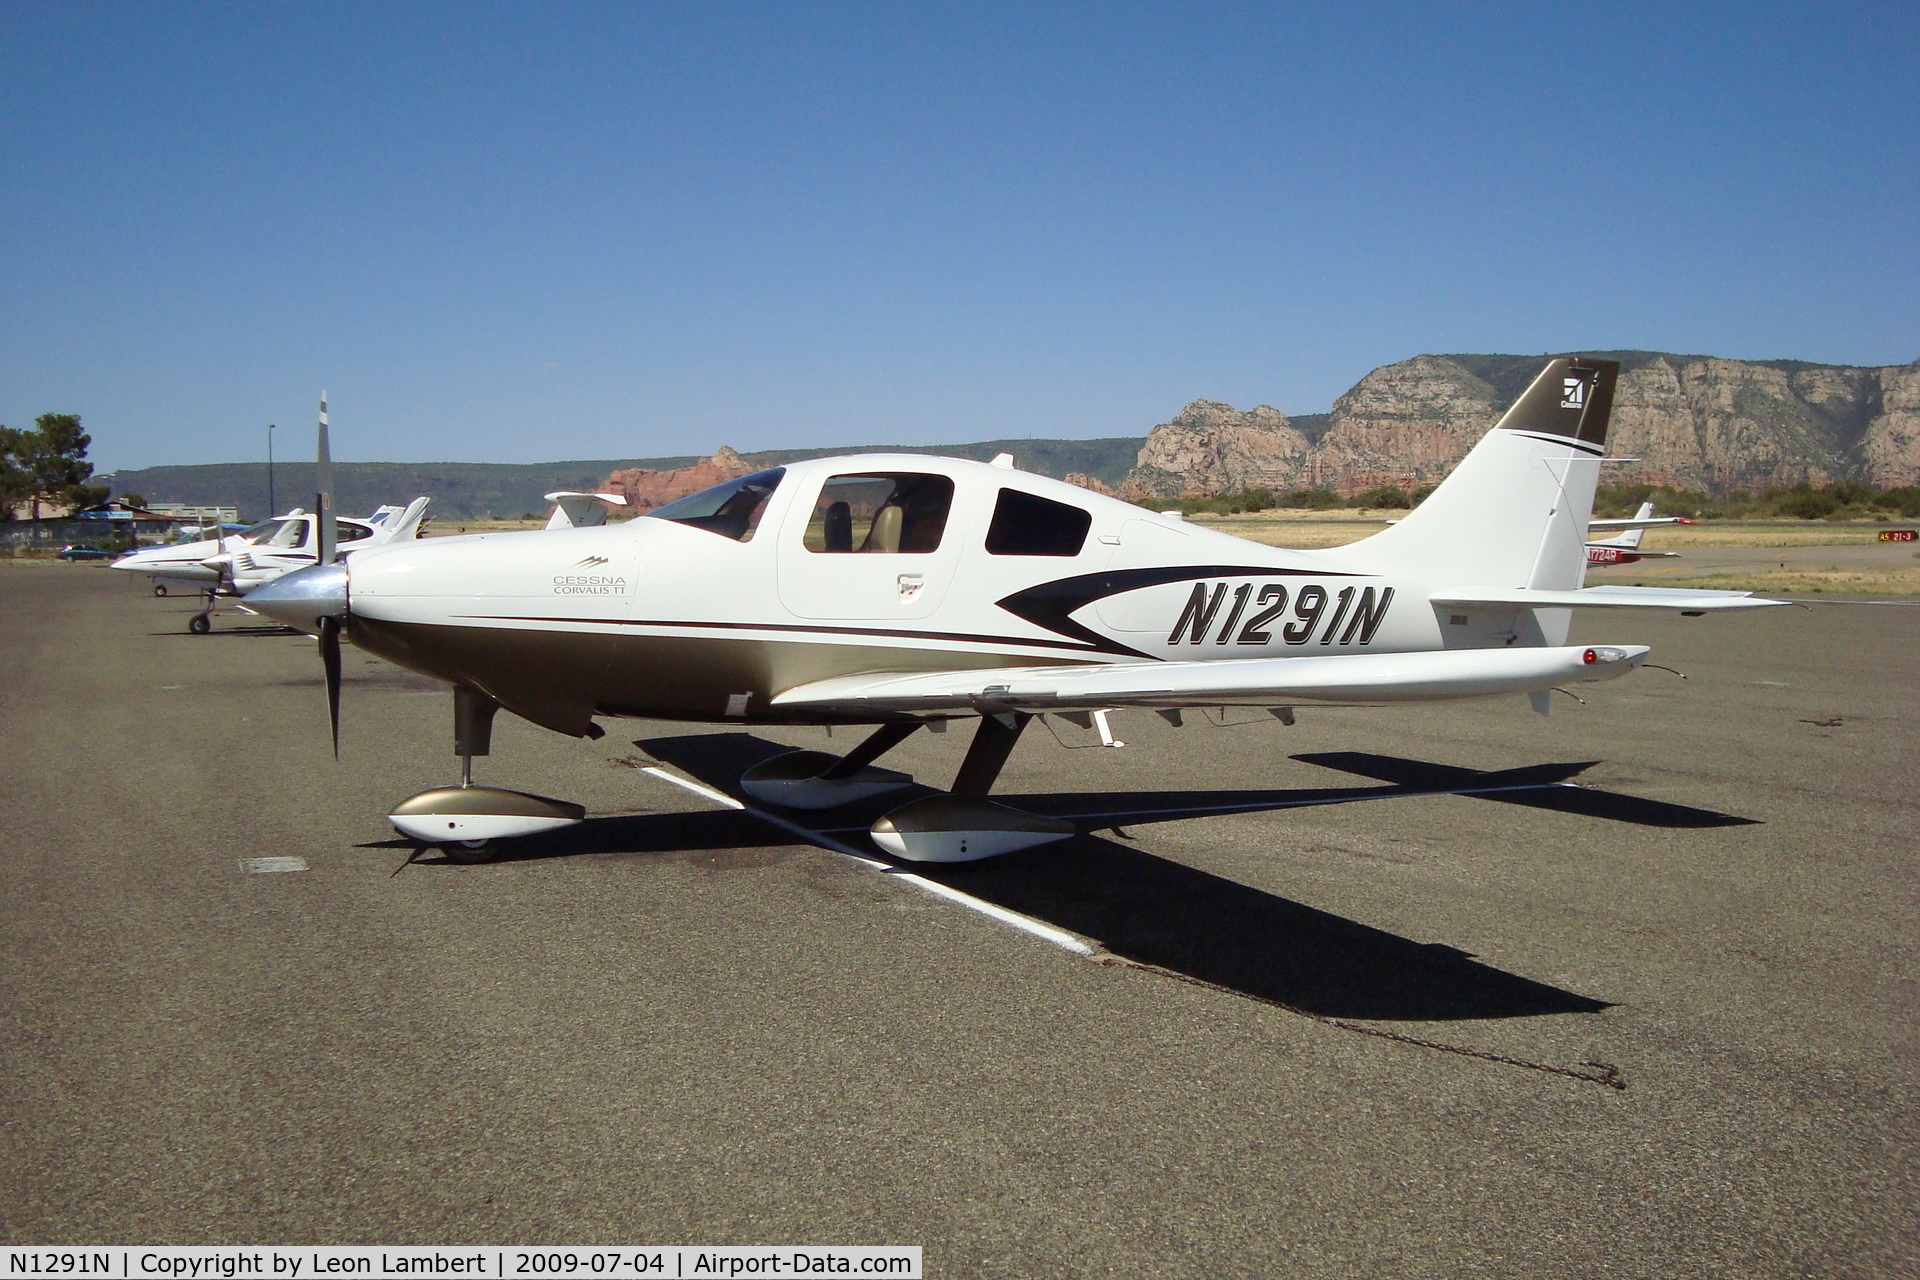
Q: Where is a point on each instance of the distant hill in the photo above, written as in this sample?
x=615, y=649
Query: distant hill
x=475, y=490
x=1689, y=421
x=1685, y=421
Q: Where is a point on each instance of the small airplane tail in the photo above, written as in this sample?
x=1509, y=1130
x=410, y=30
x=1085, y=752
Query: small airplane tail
x=408, y=523
x=1630, y=540
x=1514, y=512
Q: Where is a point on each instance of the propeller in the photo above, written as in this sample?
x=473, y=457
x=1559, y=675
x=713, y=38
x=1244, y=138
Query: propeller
x=314, y=599
x=323, y=498
x=330, y=658
x=324, y=540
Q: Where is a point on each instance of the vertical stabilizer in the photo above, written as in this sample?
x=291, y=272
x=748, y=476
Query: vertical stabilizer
x=1514, y=512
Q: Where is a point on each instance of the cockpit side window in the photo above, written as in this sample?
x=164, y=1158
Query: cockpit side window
x=886, y=513
x=732, y=509
x=1025, y=524
x=345, y=531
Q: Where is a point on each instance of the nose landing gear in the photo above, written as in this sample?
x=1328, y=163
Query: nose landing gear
x=468, y=823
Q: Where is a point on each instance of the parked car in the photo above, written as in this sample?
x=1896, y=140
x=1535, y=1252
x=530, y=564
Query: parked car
x=84, y=553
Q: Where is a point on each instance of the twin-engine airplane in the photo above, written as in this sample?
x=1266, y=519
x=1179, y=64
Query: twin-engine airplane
x=901, y=590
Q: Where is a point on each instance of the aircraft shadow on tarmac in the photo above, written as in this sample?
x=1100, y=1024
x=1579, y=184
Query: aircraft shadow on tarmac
x=272, y=630
x=1160, y=912
x=1157, y=911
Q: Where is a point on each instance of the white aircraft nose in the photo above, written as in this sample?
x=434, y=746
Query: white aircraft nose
x=300, y=599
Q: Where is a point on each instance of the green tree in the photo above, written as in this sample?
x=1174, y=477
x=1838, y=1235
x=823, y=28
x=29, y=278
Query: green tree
x=14, y=484
x=53, y=458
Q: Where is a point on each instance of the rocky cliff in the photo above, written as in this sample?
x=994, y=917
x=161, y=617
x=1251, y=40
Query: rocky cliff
x=1212, y=448
x=645, y=488
x=1693, y=422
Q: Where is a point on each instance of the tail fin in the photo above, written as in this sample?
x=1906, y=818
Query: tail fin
x=1630, y=540
x=408, y=522
x=1514, y=512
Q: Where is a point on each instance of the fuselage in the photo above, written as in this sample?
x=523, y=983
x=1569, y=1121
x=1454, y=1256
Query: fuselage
x=239, y=562
x=897, y=563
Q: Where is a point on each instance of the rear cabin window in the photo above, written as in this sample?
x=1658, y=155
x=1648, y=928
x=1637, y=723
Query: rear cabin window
x=888, y=513
x=731, y=509
x=1026, y=524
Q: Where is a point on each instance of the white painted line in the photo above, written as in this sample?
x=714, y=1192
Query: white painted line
x=1058, y=937
x=805, y=833
x=264, y=865
x=719, y=797
x=1027, y=924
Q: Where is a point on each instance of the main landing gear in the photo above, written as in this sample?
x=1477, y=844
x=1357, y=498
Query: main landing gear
x=961, y=826
x=467, y=823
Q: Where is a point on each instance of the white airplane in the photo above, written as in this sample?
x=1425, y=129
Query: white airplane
x=901, y=591
x=236, y=564
x=1625, y=547
x=239, y=564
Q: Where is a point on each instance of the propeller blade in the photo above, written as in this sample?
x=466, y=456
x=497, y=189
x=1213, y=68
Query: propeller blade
x=330, y=657
x=323, y=498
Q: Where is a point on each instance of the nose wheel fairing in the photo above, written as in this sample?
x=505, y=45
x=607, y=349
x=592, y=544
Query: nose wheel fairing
x=459, y=814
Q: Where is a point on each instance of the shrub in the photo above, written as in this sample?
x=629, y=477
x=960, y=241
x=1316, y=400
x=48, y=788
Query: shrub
x=1386, y=495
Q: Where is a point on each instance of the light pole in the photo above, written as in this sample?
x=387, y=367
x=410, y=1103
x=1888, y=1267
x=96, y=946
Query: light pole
x=272, y=508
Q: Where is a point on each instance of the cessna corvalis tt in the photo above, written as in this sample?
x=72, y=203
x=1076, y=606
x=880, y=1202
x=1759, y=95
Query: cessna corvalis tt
x=900, y=590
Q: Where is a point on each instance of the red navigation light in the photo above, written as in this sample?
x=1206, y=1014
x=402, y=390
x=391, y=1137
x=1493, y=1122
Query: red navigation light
x=1590, y=657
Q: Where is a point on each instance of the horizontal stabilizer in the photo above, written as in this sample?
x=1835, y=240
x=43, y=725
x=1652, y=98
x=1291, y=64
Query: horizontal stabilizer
x=1687, y=601
x=581, y=510
x=1640, y=522
x=1361, y=679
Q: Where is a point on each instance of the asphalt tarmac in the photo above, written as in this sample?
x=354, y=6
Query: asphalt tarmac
x=679, y=1024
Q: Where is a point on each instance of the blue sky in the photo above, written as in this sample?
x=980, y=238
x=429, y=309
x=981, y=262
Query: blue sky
x=526, y=233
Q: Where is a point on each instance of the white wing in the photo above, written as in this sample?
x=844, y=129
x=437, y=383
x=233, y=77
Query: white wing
x=1349, y=679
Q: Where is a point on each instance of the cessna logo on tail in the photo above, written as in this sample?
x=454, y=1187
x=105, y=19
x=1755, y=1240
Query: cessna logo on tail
x=1574, y=393
x=589, y=562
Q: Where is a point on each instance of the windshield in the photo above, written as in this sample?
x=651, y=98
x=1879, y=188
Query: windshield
x=260, y=532
x=732, y=510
